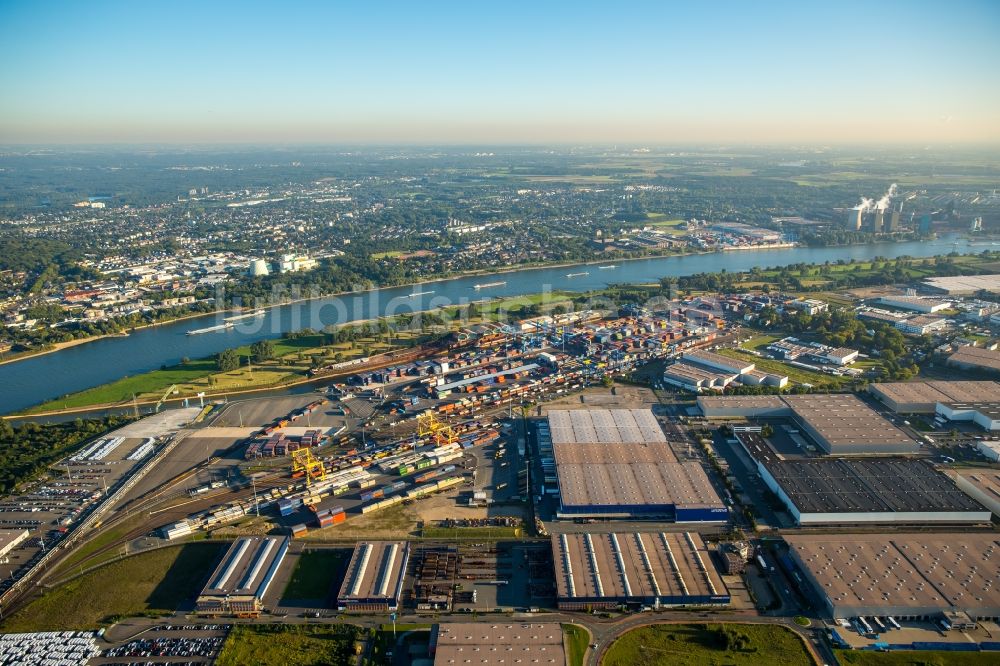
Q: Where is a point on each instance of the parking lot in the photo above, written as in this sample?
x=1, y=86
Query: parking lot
x=168, y=644
x=51, y=507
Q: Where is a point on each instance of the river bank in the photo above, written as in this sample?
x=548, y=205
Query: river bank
x=45, y=378
x=59, y=346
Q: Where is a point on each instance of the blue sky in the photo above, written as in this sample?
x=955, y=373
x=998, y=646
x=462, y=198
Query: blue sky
x=471, y=72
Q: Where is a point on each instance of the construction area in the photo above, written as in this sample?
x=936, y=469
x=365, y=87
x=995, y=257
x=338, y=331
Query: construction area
x=637, y=569
x=484, y=576
x=618, y=463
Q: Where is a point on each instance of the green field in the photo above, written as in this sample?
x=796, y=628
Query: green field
x=576, y=639
x=288, y=645
x=292, y=361
x=711, y=644
x=118, y=391
x=915, y=658
x=314, y=574
x=82, y=552
x=153, y=583
x=663, y=223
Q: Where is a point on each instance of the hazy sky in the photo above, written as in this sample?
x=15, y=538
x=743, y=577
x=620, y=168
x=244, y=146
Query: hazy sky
x=482, y=72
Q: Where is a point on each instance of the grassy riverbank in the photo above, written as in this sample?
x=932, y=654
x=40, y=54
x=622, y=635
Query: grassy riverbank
x=293, y=358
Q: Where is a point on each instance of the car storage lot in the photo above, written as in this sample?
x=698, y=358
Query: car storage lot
x=167, y=644
x=48, y=508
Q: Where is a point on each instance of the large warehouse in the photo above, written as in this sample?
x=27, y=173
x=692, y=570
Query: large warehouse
x=923, y=397
x=907, y=576
x=241, y=580
x=374, y=580
x=839, y=422
x=618, y=463
x=843, y=491
x=964, y=285
x=639, y=568
x=976, y=358
x=496, y=643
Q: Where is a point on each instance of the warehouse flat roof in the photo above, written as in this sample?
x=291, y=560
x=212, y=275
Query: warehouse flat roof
x=684, y=370
x=11, y=538
x=604, y=426
x=839, y=421
x=620, y=457
x=960, y=571
x=375, y=571
x=635, y=484
x=734, y=364
x=742, y=402
x=983, y=358
x=903, y=301
x=247, y=566
x=846, y=423
x=965, y=284
x=487, y=643
x=634, y=565
x=936, y=391
x=986, y=480
x=868, y=485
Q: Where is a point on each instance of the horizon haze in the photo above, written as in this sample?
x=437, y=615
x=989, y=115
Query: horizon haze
x=114, y=72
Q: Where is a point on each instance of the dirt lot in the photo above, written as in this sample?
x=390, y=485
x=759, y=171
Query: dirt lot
x=598, y=397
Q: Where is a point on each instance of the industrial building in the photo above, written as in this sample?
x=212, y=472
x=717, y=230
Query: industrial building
x=11, y=539
x=492, y=644
x=923, y=397
x=907, y=576
x=921, y=324
x=844, y=491
x=839, y=423
x=239, y=583
x=990, y=450
x=964, y=285
x=374, y=580
x=652, y=569
x=982, y=485
x=884, y=316
x=914, y=303
x=976, y=358
x=701, y=370
x=986, y=415
x=618, y=463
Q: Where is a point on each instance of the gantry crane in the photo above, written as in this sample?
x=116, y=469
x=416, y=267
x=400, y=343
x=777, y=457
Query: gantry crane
x=439, y=431
x=303, y=461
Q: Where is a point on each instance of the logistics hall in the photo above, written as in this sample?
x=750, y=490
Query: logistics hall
x=617, y=463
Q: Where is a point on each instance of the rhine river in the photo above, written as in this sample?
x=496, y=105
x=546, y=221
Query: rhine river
x=35, y=380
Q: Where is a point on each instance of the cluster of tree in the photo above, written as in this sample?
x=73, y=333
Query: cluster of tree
x=28, y=450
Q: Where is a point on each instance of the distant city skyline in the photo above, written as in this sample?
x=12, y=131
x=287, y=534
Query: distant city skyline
x=637, y=73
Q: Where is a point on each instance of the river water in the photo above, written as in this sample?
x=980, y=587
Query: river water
x=35, y=380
